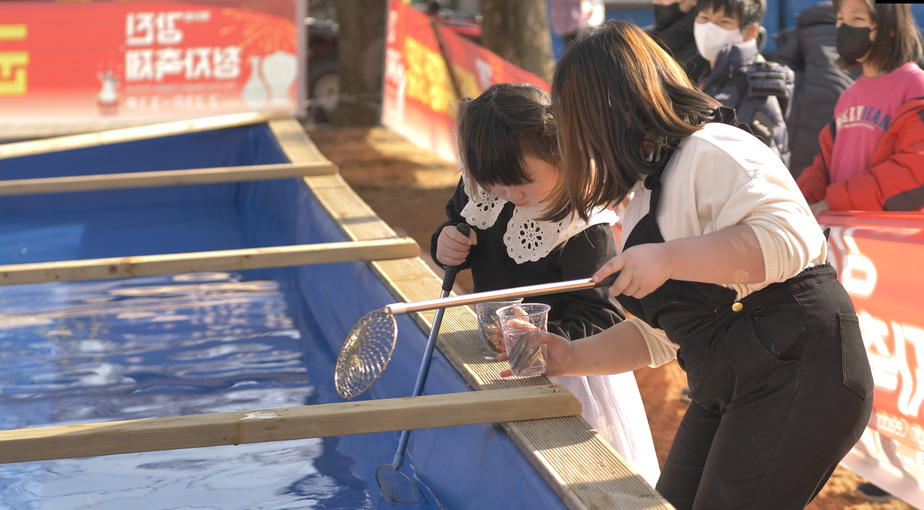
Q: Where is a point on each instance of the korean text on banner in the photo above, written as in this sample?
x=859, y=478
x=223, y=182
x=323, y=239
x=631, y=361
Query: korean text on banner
x=878, y=259
x=155, y=59
x=419, y=97
x=476, y=68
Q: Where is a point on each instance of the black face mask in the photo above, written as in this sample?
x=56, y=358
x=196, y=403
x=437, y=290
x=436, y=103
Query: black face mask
x=853, y=42
x=667, y=15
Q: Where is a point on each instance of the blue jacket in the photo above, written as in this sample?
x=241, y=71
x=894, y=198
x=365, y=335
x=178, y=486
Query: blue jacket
x=758, y=90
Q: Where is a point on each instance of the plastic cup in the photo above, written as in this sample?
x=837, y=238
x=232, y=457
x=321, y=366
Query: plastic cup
x=488, y=323
x=523, y=326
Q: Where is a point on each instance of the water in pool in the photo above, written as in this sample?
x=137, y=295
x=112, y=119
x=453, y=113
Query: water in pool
x=165, y=346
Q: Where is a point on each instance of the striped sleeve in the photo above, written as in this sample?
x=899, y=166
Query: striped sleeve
x=660, y=348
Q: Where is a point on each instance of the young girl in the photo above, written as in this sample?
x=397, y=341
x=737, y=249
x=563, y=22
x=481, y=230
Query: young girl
x=510, y=165
x=722, y=267
x=872, y=153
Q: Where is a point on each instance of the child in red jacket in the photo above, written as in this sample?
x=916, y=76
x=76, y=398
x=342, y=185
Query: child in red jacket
x=872, y=153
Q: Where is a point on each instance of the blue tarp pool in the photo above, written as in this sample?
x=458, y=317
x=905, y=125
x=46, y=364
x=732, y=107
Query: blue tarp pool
x=80, y=352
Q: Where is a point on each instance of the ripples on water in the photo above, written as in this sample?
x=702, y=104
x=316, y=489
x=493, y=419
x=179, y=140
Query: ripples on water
x=154, y=347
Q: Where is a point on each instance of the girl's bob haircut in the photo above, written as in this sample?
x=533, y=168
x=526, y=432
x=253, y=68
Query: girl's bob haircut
x=897, y=40
x=498, y=128
x=619, y=99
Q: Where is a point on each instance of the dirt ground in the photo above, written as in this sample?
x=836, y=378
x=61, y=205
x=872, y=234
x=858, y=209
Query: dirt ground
x=408, y=188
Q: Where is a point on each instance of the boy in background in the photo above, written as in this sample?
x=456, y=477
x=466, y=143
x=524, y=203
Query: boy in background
x=673, y=30
x=726, y=33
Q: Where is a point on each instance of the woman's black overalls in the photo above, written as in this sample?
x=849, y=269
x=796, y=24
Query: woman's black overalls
x=780, y=383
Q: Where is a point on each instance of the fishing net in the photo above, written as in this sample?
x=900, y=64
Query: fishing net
x=397, y=487
x=365, y=353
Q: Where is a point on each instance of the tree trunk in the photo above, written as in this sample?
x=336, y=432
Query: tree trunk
x=518, y=31
x=361, y=61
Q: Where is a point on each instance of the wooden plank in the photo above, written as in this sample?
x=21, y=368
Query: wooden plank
x=25, y=129
x=163, y=178
x=176, y=263
x=293, y=140
x=323, y=420
x=63, y=143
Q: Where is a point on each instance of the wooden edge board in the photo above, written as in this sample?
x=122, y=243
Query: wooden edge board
x=163, y=178
x=334, y=195
x=291, y=137
x=193, y=262
x=320, y=420
x=355, y=224
x=68, y=142
x=543, y=441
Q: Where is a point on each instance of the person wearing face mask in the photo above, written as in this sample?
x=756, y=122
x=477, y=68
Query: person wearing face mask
x=809, y=49
x=726, y=33
x=673, y=30
x=871, y=154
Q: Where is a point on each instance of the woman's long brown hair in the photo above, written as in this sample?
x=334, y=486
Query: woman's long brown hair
x=617, y=97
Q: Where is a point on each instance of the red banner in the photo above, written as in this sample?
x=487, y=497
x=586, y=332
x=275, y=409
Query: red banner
x=419, y=97
x=148, y=58
x=475, y=68
x=880, y=260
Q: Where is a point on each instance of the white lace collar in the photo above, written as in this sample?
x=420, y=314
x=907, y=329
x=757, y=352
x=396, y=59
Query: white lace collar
x=528, y=238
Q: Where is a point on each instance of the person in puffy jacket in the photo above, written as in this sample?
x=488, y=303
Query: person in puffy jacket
x=809, y=50
x=871, y=154
x=673, y=30
x=726, y=33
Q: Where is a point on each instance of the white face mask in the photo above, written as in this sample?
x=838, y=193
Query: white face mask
x=710, y=38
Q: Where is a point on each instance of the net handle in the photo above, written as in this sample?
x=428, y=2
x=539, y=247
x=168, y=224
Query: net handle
x=501, y=295
x=449, y=279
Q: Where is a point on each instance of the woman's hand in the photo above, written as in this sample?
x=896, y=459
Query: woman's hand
x=643, y=268
x=452, y=247
x=558, y=355
x=820, y=207
x=497, y=338
x=730, y=256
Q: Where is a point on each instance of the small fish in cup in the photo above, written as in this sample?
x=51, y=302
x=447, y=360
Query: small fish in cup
x=523, y=327
x=490, y=334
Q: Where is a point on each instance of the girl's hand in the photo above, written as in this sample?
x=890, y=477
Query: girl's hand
x=820, y=207
x=452, y=247
x=558, y=356
x=643, y=268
